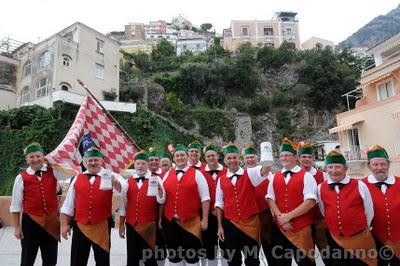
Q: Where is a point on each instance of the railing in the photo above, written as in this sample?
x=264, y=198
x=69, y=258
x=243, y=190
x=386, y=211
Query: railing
x=354, y=153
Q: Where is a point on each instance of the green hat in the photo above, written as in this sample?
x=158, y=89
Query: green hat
x=153, y=152
x=335, y=157
x=377, y=151
x=231, y=148
x=93, y=152
x=249, y=149
x=166, y=155
x=195, y=145
x=288, y=145
x=306, y=149
x=181, y=147
x=210, y=147
x=33, y=147
x=141, y=155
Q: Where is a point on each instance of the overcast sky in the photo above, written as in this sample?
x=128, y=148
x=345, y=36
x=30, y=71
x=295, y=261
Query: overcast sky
x=335, y=20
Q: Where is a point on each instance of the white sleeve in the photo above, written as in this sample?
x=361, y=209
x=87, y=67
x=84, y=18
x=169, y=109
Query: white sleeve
x=68, y=206
x=17, y=195
x=202, y=186
x=219, y=196
x=320, y=203
x=124, y=201
x=270, y=191
x=255, y=175
x=367, y=200
x=310, y=187
x=163, y=198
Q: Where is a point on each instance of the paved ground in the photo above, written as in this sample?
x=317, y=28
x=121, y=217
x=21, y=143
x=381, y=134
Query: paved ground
x=10, y=249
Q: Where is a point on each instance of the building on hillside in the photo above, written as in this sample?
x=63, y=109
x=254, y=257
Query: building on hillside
x=315, y=42
x=283, y=27
x=376, y=116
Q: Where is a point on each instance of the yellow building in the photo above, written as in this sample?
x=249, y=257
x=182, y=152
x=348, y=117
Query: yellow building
x=376, y=116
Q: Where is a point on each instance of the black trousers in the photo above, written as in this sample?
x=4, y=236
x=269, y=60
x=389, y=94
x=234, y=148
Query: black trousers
x=181, y=244
x=36, y=237
x=138, y=249
x=386, y=255
x=283, y=250
x=210, y=238
x=237, y=242
x=80, y=249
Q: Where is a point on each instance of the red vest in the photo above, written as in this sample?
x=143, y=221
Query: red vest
x=141, y=209
x=239, y=199
x=261, y=191
x=289, y=196
x=182, y=196
x=319, y=178
x=344, y=211
x=212, y=185
x=385, y=224
x=92, y=205
x=40, y=196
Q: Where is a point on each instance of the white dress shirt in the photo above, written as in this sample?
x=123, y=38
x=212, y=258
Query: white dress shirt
x=68, y=206
x=18, y=189
x=124, y=195
x=362, y=189
x=309, y=189
x=255, y=177
x=390, y=180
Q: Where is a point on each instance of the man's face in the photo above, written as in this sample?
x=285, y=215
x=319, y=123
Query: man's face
x=141, y=167
x=336, y=171
x=211, y=158
x=232, y=161
x=35, y=160
x=94, y=164
x=165, y=164
x=154, y=163
x=306, y=160
x=194, y=156
x=250, y=160
x=180, y=159
x=379, y=167
x=287, y=159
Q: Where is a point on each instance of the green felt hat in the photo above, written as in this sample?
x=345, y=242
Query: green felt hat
x=377, y=151
x=141, y=155
x=181, y=147
x=306, y=149
x=195, y=145
x=33, y=147
x=335, y=157
x=249, y=149
x=153, y=152
x=93, y=152
x=288, y=145
x=231, y=148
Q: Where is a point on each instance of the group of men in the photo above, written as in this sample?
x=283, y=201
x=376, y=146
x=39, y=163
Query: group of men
x=189, y=212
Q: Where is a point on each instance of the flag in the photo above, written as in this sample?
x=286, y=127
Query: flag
x=92, y=126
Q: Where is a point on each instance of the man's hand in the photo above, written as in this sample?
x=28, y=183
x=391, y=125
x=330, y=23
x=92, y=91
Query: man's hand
x=65, y=231
x=18, y=233
x=284, y=218
x=220, y=233
x=122, y=231
x=204, y=224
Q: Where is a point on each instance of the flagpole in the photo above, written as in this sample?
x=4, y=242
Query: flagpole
x=109, y=114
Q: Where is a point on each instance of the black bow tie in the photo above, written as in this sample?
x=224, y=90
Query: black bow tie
x=38, y=173
x=379, y=185
x=288, y=172
x=237, y=176
x=179, y=171
x=212, y=172
x=140, y=178
x=91, y=175
x=333, y=185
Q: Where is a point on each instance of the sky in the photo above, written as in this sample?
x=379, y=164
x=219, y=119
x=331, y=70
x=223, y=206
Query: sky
x=35, y=20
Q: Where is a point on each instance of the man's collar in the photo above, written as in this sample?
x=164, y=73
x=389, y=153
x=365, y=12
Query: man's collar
x=345, y=180
x=30, y=171
x=389, y=180
x=219, y=167
x=295, y=169
x=240, y=171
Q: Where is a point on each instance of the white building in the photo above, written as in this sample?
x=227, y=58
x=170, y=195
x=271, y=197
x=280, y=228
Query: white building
x=195, y=45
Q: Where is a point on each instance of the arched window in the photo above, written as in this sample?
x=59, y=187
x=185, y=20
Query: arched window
x=27, y=69
x=66, y=60
x=44, y=59
x=65, y=86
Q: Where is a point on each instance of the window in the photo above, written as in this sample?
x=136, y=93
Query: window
x=66, y=60
x=99, y=71
x=44, y=59
x=289, y=31
x=27, y=69
x=244, y=31
x=42, y=88
x=268, y=31
x=100, y=46
x=385, y=90
x=25, y=95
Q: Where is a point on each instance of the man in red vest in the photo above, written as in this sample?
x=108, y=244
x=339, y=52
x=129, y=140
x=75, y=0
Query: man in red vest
x=194, y=152
x=292, y=193
x=89, y=201
x=237, y=212
x=186, y=195
x=139, y=212
x=165, y=163
x=250, y=157
x=385, y=191
x=306, y=160
x=35, y=197
x=348, y=210
x=212, y=172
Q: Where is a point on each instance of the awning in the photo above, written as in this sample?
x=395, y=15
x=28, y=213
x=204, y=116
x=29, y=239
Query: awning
x=396, y=114
x=344, y=127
